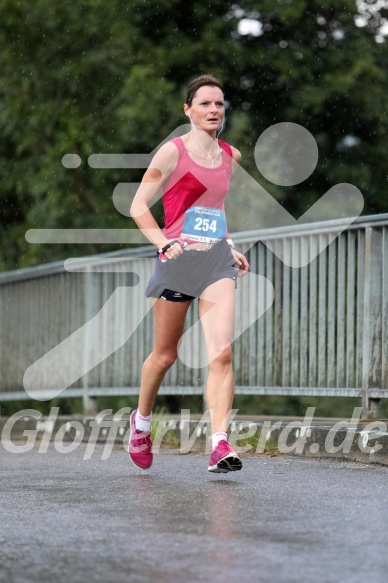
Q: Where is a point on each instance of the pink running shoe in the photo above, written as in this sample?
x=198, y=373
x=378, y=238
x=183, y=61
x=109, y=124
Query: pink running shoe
x=223, y=459
x=139, y=446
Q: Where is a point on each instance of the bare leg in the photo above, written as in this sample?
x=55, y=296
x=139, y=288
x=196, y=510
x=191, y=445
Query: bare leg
x=216, y=309
x=169, y=318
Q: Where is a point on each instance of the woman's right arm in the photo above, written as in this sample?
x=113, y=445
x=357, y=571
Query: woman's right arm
x=161, y=167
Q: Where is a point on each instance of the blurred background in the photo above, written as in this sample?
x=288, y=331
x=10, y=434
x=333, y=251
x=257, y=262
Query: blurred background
x=109, y=77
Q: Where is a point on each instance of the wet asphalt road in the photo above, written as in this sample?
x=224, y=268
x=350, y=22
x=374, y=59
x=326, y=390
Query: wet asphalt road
x=282, y=519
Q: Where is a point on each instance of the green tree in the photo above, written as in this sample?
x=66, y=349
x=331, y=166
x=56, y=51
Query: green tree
x=96, y=77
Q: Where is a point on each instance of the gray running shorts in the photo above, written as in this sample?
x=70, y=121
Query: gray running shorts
x=193, y=271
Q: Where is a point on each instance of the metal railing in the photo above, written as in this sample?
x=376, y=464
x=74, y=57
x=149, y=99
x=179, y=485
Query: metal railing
x=325, y=334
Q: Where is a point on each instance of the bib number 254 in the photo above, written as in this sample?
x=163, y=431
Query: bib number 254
x=205, y=225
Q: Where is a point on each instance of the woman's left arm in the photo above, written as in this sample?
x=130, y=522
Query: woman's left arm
x=239, y=258
x=241, y=262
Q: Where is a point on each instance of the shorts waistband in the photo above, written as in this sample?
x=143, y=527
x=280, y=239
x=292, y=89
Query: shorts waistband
x=201, y=246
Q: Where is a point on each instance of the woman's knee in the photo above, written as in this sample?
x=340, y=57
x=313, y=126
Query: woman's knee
x=221, y=357
x=164, y=360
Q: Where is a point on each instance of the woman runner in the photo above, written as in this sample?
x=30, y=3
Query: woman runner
x=195, y=259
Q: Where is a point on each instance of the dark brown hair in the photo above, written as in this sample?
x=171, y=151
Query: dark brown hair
x=198, y=82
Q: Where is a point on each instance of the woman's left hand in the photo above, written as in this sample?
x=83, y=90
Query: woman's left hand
x=241, y=262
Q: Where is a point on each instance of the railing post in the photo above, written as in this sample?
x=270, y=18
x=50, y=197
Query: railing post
x=366, y=323
x=89, y=404
x=370, y=407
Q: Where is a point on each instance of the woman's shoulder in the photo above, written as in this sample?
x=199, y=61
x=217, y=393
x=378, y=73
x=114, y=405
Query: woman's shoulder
x=231, y=150
x=168, y=149
x=166, y=158
x=170, y=146
x=236, y=155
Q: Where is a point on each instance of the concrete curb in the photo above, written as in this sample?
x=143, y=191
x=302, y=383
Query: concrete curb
x=337, y=439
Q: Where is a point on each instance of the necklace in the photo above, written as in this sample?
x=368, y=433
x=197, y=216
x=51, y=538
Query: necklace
x=212, y=160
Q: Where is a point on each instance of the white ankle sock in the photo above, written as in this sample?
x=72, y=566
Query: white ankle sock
x=143, y=422
x=217, y=437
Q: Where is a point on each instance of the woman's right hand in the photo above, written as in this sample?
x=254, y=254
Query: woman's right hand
x=173, y=251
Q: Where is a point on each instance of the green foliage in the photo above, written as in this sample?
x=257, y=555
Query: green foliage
x=160, y=430
x=254, y=445
x=109, y=77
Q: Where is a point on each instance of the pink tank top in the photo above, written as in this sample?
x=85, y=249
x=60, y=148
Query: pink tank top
x=192, y=184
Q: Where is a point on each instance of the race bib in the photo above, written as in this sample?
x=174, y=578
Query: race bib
x=205, y=224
